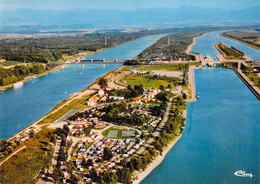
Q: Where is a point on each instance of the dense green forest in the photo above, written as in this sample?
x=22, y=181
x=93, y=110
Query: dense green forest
x=19, y=72
x=51, y=49
x=179, y=42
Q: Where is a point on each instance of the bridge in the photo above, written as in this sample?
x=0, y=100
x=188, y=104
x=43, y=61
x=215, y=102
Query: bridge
x=102, y=61
x=86, y=61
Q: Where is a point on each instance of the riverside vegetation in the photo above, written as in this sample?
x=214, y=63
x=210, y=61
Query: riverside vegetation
x=251, y=37
x=40, y=145
x=174, y=50
x=31, y=161
x=19, y=72
x=229, y=52
x=53, y=48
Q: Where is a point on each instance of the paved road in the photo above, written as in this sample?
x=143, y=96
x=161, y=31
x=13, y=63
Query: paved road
x=46, y=179
x=55, y=154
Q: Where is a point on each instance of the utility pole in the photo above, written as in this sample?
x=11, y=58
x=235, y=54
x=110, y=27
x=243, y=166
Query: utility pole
x=169, y=41
x=105, y=41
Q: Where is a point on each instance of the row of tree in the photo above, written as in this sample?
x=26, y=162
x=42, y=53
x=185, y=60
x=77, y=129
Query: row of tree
x=7, y=147
x=19, y=72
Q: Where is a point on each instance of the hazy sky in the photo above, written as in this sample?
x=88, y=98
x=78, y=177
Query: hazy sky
x=123, y=4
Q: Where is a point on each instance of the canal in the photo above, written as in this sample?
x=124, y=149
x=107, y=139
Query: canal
x=21, y=107
x=206, y=46
x=222, y=127
x=221, y=135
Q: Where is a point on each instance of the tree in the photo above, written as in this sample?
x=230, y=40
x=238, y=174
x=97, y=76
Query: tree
x=110, y=177
x=126, y=176
x=89, y=162
x=70, y=167
x=184, y=96
x=31, y=133
x=93, y=174
x=87, y=130
x=74, y=178
x=107, y=154
x=102, y=83
x=130, y=166
x=55, y=174
x=158, y=146
x=161, y=96
x=136, y=163
x=161, y=87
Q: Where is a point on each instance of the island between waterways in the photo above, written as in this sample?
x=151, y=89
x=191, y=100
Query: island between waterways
x=116, y=130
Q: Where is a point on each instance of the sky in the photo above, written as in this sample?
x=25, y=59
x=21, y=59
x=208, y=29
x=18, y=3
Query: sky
x=123, y=4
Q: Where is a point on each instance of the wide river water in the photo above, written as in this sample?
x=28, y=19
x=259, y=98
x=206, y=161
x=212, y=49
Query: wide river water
x=127, y=51
x=206, y=46
x=221, y=135
x=222, y=128
x=21, y=107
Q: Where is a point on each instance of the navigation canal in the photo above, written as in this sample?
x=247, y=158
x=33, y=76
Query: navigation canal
x=21, y=107
x=222, y=129
x=221, y=134
x=206, y=46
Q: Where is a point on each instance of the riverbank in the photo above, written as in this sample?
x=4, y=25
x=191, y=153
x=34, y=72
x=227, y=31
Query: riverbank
x=255, y=90
x=89, y=90
x=189, y=49
x=66, y=60
x=231, y=38
x=156, y=162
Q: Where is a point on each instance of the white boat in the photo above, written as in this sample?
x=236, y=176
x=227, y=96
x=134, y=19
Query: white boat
x=18, y=85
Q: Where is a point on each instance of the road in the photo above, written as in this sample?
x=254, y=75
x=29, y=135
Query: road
x=12, y=154
x=55, y=155
x=158, y=130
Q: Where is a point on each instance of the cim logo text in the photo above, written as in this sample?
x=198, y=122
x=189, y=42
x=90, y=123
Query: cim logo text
x=241, y=173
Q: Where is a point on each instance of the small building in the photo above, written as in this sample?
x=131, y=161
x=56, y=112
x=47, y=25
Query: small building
x=136, y=100
x=116, y=97
x=101, y=92
x=108, y=88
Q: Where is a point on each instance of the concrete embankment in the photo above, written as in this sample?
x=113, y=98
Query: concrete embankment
x=255, y=90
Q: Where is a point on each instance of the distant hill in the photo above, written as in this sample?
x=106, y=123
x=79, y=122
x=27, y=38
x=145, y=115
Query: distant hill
x=157, y=16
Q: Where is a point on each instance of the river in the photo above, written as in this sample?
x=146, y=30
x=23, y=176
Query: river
x=127, y=51
x=21, y=107
x=206, y=46
x=222, y=129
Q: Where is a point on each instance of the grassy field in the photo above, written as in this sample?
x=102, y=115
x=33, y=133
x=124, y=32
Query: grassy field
x=175, y=67
x=229, y=53
x=254, y=78
x=119, y=132
x=134, y=79
x=26, y=164
x=75, y=104
x=8, y=63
